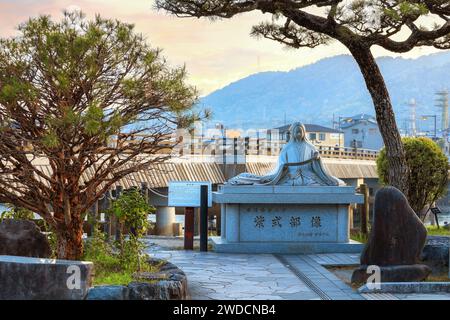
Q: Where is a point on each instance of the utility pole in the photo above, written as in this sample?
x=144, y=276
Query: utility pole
x=412, y=104
x=442, y=102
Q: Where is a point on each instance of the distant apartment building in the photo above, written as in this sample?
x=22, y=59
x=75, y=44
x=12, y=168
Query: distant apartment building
x=318, y=135
x=361, y=131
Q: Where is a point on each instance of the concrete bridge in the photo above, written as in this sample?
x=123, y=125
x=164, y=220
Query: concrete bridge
x=217, y=170
x=206, y=168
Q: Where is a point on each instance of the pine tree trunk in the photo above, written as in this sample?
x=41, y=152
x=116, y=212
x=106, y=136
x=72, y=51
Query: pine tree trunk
x=70, y=241
x=398, y=168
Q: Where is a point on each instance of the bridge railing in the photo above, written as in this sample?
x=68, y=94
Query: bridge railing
x=339, y=152
x=347, y=153
x=237, y=149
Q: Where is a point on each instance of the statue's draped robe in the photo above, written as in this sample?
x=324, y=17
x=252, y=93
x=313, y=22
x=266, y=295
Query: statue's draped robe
x=309, y=174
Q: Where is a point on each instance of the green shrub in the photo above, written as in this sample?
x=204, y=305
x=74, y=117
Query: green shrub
x=116, y=262
x=114, y=265
x=428, y=171
x=132, y=209
x=17, y=213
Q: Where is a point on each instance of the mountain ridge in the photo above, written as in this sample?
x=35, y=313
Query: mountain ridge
x=314, y=92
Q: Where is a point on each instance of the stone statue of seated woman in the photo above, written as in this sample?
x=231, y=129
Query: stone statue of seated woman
x=299, y=164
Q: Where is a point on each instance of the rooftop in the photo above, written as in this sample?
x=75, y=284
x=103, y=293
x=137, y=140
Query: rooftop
x=311, y=128
x=362, y=117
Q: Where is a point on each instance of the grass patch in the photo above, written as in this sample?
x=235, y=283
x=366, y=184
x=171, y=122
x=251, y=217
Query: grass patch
x=443, y=277
x=434, y=231
x=114, y=278
x=431, y=230
x=358, y=236
x=110, y=267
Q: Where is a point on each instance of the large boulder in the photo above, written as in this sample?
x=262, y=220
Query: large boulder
x=23, y=238
x=26, y=278
x=396, y=240
x=398, y=235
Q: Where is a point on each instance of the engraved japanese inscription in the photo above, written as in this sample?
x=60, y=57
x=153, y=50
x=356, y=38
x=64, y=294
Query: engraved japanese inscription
x=287, y=223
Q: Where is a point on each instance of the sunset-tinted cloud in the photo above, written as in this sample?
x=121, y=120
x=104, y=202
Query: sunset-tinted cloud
x=215, y=54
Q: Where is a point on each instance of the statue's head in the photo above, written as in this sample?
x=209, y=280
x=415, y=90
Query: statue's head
x=297, y=132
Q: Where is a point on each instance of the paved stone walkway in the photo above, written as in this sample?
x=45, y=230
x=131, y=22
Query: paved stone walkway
x=238, y=276
x=326, y=284
x=221, y=276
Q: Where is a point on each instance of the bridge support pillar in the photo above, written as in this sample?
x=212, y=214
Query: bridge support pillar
x=165, y=218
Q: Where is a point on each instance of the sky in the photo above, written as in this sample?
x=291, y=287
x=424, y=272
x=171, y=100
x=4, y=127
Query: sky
x=215, y=53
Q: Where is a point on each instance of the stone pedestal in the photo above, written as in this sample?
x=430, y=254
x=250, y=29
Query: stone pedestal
x=165, y=218
x=285, y=219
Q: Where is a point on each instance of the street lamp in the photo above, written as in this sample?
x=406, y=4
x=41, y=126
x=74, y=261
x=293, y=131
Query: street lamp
x=425, y=117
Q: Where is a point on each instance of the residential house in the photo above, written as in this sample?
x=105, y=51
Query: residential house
x=361, y=131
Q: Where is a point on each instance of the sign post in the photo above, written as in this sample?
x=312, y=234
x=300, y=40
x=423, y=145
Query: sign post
x=190, y=194
x=436, y=211
x=364, y=209
x=189, y=228
x=204, y=218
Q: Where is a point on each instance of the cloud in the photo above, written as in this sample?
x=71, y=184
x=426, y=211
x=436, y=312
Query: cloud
x=73, y=8
x=215, y=53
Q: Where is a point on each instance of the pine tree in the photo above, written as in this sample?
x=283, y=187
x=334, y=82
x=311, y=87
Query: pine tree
x=91, y=100
x=357, y=24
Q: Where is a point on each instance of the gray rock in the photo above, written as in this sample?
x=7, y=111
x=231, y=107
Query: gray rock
x=161, y=290
x=25, y=278
x=399, y=273
x=150, y=276
x=143, y=291
x=395, y=242
x=436, y=251
x=108, y=293
x=169, y=283
x=408, y=288
x=23, y=238
x=397, y=236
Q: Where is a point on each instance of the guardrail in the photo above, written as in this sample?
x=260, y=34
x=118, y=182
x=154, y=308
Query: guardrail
x=347, y=153
x=238, y=148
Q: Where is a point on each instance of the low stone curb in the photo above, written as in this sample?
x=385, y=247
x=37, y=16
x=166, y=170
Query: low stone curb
x=170, y=283
x=437, y=250
x=408, y=287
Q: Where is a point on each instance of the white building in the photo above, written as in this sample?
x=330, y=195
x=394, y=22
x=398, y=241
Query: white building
x=361, y=131
x=318, y=135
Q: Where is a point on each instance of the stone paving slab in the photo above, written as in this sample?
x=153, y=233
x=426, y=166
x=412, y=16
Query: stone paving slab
x=412, y=296
x=418, y=296
x=379, y=296
x=223, y=276
x=336, y=259
x=330, y=285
